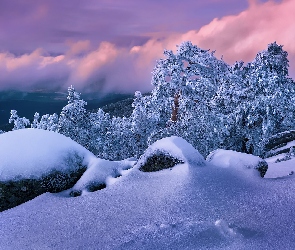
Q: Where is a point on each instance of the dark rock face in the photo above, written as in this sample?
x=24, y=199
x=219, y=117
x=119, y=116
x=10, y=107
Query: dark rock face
x=158, y=161
x=262, y=168
x=272, y=145
x=18, y=191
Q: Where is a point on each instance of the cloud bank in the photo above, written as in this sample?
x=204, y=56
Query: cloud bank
x=93, y=65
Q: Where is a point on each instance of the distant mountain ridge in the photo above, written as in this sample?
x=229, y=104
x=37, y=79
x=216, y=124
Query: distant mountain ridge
x=119, y=108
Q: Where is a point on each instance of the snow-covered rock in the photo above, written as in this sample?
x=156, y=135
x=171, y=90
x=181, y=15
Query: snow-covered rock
x=99, y=174
x=34, y=161
x=239, y=161
x=168, y=152
x=182, y=208
x=279, y=143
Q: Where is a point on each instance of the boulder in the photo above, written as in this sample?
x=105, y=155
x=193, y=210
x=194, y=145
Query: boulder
x=244, y=163
x=17, y=191
x=34, y=161
x=159, y=160
x=167, y=153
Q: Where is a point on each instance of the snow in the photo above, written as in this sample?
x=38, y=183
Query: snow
x=186, y=207
x=102, y=172
x=232, y=159
x=28, y=153
x=279, y=169
x=31, y=153
x=176, y=147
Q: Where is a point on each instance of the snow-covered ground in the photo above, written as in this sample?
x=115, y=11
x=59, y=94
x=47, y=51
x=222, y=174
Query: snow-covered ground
x=186, y=207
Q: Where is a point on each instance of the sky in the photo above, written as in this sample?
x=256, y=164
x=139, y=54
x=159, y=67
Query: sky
x=103, y=46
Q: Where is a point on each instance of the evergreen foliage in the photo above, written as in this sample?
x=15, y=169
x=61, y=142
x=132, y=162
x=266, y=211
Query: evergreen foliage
x=19, y=123
x=196, y=96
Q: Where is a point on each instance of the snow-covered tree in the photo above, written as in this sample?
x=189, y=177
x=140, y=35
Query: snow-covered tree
x=19, y=123
x=142, y=123
x=258, y=100
x=74, y=119
x=100, y=124
x=185, y=84
x=118, y=142
x=47, y=122
x=35, y=123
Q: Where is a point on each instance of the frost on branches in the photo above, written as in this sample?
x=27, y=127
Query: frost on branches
x=196, y=96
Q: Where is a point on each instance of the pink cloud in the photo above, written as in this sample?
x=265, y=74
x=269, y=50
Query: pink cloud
x=110, y=67
x=241, y=36
x=78, y=47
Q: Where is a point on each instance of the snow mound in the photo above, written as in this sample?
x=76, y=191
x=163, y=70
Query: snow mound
x=100, y=174
x=29, y=153
x=185, y=208
x=178, y=149
x=34, y=161
x=239, y=161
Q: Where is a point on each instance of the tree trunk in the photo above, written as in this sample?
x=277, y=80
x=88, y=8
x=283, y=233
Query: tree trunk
x=175, y=108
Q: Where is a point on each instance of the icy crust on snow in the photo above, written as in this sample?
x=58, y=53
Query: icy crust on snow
x=30, y=153
x=176, y=147
x=235, y=160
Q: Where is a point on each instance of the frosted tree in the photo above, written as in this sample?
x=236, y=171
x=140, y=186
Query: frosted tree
x=143, y=123
x=74, y=120
x=47, y=122
x=35, y=123
x=257, y=100
x=100, y=125
x=184, y=85
x=52, y=122
x=19, y=123
x=272, y=107
x=118, y=140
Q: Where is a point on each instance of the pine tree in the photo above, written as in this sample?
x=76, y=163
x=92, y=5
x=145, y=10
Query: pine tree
x=19, y=123
x=74, y=120
x=142, y=123
x=100, y=125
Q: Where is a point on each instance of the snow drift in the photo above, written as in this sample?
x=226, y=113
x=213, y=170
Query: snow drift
x=236, y=160
x=185, y=207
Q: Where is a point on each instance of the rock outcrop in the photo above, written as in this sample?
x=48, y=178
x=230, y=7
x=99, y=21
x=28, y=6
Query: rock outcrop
x=17, y=191
x=278, y=143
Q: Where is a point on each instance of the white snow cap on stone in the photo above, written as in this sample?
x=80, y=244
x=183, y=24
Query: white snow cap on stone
x=176, y=147
x=29, y=153
x=235, y=160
